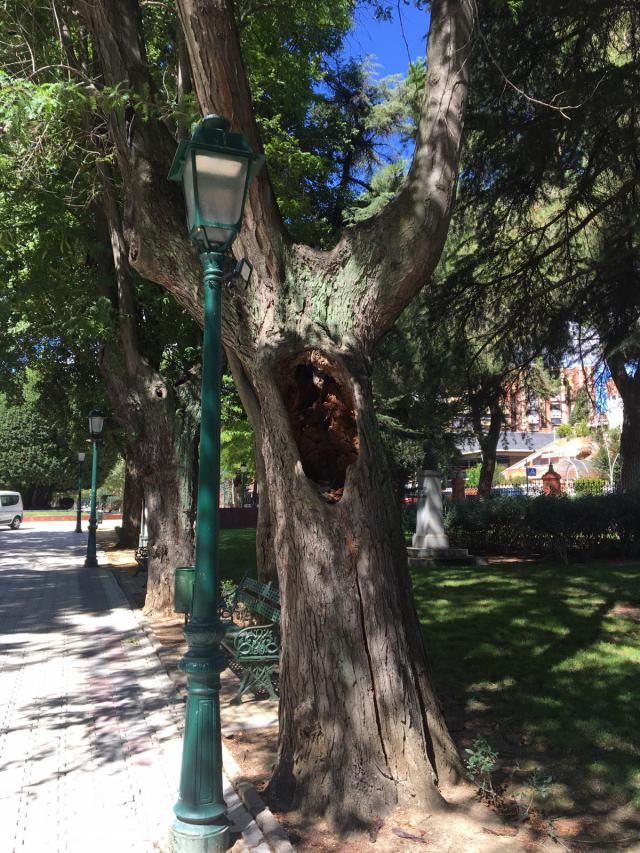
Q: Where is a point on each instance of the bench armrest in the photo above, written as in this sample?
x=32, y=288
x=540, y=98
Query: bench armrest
x=254, y=641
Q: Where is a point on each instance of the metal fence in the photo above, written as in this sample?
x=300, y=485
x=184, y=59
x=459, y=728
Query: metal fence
x=568, y=487
x=532, y=490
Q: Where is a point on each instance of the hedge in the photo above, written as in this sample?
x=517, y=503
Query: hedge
x=600, y=525
x=589, y=486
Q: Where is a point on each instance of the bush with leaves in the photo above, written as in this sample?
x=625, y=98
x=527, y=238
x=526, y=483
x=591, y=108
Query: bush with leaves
x=592, y=524
x=564, y=431
x=589, y=486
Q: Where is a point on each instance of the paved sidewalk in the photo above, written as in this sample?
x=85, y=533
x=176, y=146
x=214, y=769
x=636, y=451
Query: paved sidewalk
x=89, y=720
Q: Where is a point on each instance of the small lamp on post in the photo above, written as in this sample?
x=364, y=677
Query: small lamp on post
x=215, y=167
x=81, y=458
x=96, y=422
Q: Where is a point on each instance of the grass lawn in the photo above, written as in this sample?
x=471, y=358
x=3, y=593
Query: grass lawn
x=237, y=554
x=41, y=513
x=544, y=661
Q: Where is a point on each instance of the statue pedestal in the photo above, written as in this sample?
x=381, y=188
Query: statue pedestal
x=430, y=543
x=430, y=526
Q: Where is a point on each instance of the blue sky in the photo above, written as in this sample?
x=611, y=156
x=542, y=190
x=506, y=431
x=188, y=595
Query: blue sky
x=385, y=39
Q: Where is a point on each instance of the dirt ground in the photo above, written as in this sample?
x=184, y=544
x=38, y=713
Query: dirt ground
x=465, y=825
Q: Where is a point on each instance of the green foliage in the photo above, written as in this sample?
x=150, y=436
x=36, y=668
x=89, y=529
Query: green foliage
x=228, y=592
x=473, y=475
x=581, y=409
x=481, y=762
x=549, y=175
x=537, y=789
x=589, y=486
x=607, y=459
x=113, y=483
x=581, y=429
x=593, y=525
x=383, y=186
x=564, y=431
x=236, y=435
x=37, y=451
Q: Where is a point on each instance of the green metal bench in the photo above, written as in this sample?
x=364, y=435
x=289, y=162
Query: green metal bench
x=254, y=652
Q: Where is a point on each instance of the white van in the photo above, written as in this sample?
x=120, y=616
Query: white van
x=11, y=509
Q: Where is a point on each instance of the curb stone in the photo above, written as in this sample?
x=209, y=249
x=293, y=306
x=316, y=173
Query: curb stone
x=266, y=835
x=275, y=835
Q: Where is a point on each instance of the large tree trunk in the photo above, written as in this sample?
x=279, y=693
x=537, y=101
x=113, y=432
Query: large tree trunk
x=361, y=729
x=629, y=388
x=360, y=726
x=488, y=445
x=170, y=531
x=160, y=438
x=131, y=505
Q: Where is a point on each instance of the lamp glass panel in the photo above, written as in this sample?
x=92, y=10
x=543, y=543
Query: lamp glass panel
x=221, y=185
x=219, y=236
x=95, y=424
x=189, y=196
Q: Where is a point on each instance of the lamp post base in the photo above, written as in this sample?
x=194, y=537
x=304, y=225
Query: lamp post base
x=200, y=824
x=198, y=838
x=91, y=560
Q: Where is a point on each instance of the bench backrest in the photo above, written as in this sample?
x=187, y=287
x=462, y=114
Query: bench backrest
x=262, y=599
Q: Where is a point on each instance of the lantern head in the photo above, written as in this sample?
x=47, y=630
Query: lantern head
x=216, y=168
x=96, y=422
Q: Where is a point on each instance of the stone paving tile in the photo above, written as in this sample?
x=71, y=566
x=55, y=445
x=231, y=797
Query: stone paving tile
x=89, y=722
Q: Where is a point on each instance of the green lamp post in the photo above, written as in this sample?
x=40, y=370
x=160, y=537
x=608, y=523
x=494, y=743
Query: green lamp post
x=96, y=422
x=81, y=458
x=215, y=167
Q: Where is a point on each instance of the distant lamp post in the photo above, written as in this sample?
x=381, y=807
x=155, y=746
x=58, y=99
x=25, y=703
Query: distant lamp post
x=215, y=167
x=81, y=458
x=96, y=422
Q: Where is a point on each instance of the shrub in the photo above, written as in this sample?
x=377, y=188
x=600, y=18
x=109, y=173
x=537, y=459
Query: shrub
x=593, y=524
x=589, y=486
x=564, y=430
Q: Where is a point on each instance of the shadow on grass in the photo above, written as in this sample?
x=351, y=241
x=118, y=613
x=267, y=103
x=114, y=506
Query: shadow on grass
x=532, y=657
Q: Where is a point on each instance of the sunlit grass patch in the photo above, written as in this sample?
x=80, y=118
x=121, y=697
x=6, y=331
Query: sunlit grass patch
x=544, y=661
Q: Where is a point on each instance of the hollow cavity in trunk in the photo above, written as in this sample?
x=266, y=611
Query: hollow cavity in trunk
x=317, y=396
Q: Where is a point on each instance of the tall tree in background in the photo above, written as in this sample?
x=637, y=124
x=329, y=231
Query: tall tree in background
x=551, y=173
x=88, y=314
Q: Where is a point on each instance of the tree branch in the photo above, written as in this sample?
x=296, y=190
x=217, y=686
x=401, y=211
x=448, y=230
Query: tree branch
x=409, y=234
x=221, y=85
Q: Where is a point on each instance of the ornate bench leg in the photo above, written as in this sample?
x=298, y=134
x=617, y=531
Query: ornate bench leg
x=257, y=679
x=245, y=684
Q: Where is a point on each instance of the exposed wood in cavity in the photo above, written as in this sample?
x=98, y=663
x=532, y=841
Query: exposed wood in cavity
x=320, y=406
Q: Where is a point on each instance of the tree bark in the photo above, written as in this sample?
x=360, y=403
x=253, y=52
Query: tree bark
x=361, y=729
x=131, y=505
x=488, y=444
x=629, y=388
x=160, y=440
